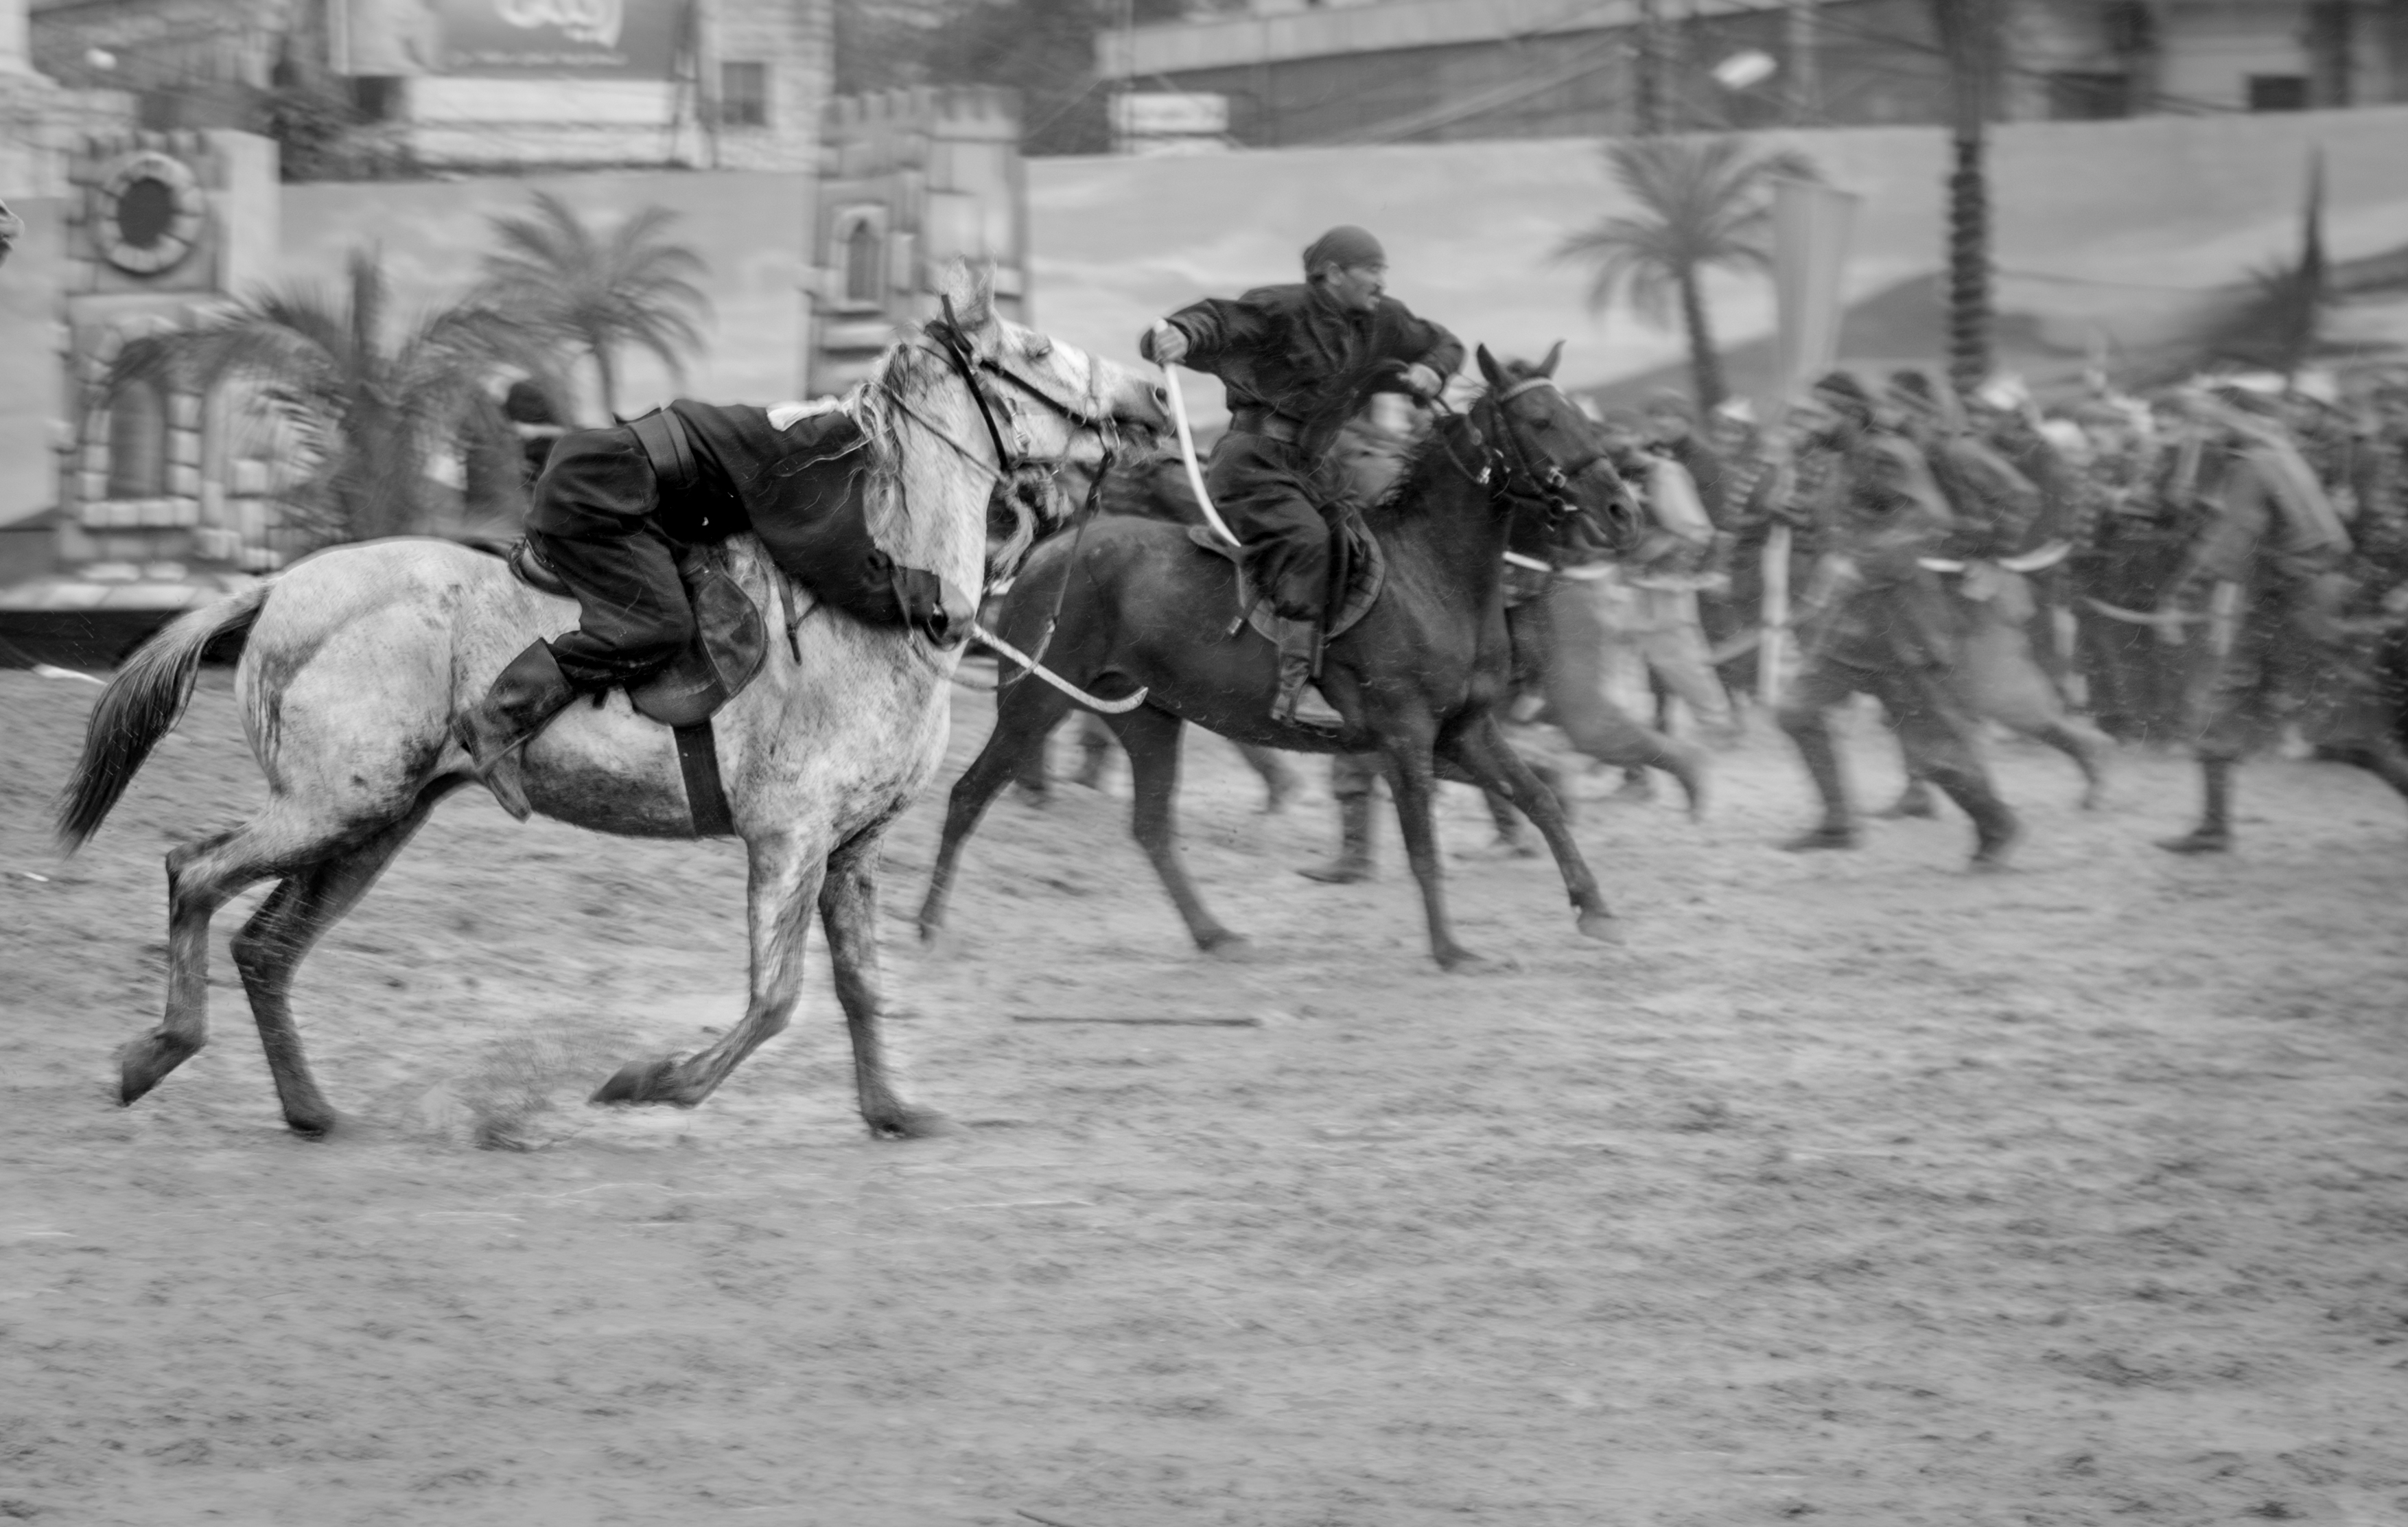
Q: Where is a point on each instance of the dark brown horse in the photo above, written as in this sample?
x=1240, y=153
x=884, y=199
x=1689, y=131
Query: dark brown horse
x=1134, y=603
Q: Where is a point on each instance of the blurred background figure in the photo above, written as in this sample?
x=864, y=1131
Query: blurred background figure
x=535, y=423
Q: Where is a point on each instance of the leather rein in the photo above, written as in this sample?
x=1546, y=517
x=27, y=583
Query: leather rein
x=1546, y=480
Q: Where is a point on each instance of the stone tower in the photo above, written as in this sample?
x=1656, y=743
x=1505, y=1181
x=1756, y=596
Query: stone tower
x=912, y=180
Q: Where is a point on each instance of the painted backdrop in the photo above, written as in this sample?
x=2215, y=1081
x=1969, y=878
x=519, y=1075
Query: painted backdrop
x=2127, y=229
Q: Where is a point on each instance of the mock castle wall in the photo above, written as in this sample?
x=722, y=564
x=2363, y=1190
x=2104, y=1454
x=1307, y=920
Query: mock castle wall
x=911, y=180
x=162, y=228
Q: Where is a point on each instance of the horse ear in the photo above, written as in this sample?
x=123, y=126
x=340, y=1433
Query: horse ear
x=971, y=290
x=1488, y=368
x=1547, y=367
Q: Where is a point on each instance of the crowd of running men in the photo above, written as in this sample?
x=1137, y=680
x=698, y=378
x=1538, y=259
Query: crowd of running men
x=2205, y=567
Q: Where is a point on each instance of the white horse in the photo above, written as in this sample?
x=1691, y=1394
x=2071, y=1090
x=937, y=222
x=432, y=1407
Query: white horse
x=359, y=658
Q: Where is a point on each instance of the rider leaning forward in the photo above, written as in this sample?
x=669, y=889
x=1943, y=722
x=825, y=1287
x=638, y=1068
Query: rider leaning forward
x=1296, y=361
x=612, y=512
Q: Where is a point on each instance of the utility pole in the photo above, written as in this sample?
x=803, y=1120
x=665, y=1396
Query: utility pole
x=1969, y=41
x=1799, y=41
x=1651, y=68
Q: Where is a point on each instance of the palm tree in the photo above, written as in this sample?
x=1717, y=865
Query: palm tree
x=1968, y=34
x=598, y=294
x=366, y=406
x=1701, y=204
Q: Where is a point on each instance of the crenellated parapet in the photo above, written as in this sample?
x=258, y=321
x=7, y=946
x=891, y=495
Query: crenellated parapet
x=912, y=180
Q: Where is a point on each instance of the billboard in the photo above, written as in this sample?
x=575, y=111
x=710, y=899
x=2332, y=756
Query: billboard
x=628, y=39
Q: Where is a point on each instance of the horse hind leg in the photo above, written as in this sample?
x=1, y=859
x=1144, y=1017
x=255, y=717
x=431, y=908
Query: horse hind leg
x=201, y=877
x=297, y=913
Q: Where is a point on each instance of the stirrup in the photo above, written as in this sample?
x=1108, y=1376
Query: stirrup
x=1308, y=707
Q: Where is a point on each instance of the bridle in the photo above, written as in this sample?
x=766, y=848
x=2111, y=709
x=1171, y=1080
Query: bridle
x=1518, y=470
x=970, y=366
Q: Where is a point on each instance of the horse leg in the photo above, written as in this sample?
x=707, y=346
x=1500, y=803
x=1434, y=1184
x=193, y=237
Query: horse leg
x=295, y=915
x=1411, y=781
x=1152, y=738
x=1022, y=722
x=1481, y=749
x=284, y=839
x=786, y=872
x=849, y=912
x=1279, y=779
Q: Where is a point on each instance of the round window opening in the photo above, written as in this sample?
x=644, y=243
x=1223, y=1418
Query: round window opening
x=146, y=210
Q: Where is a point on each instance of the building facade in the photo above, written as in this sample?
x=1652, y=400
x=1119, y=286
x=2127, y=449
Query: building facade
x=354, y=88
x=1291, y=73
x=912, y=180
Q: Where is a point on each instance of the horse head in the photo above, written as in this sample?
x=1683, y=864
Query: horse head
x=1001, y=406
x=1552, y=457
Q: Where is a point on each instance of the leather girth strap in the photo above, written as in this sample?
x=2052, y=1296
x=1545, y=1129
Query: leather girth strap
x=670, y=449
x=705, y=797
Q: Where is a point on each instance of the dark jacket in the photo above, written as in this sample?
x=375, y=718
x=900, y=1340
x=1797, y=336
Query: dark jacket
x=1293, y=351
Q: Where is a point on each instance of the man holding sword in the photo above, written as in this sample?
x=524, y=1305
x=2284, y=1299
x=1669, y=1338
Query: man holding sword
x=1297, y=360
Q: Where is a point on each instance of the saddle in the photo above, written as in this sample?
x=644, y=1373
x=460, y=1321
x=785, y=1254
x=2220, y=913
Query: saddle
x=1361, y=570
x=730, y=642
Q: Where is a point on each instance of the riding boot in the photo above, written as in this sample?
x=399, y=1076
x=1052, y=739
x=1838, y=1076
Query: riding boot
x=525, y=694
x=1838, y=829
x=1300, y=699
x=1354, y=860
x=2214, y=834
x=1997, y=830
x=1914, y=800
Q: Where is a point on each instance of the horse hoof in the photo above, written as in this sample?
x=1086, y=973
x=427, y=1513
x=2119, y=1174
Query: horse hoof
x=938, y=940
x=909, y=1124
x=640, y=1081
x=1222, y=945
x=325, y=1126
x=144, y=1062
x=1604, y=927
x=1463, y=962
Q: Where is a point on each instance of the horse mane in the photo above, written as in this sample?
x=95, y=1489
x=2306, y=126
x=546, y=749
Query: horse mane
x=1432, y=456
x=874, y=405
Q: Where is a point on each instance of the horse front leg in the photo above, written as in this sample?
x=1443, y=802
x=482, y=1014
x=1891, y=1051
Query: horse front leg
x=1480, y=750
x=1152, y=738
x=785, y=872
x=1413, y=783
x=849, y=911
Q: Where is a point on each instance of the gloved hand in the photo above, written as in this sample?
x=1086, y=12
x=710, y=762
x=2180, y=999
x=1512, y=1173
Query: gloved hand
x=1169, y=344
x=1424, y=380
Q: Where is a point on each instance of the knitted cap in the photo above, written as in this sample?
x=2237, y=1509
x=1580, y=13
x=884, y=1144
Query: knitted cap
x=1344, y=245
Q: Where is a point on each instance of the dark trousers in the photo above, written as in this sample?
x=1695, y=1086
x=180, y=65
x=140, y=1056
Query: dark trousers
x=1933, y=728
x=1264, y=488
x=593, y=521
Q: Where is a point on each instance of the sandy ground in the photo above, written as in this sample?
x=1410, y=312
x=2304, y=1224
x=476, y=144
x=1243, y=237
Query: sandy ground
x=1853, y=1189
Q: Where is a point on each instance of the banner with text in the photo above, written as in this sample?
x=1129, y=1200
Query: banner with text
x=632, y=39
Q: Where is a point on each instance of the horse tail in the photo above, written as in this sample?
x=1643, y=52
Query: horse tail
x=142, y=704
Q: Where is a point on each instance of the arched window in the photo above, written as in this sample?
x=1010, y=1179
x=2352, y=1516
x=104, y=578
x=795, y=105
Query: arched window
x=864, y=281
x=138, y=442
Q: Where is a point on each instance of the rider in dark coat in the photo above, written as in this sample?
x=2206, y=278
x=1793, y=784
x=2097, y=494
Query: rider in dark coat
x=1296, y=361
x=613, y=512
